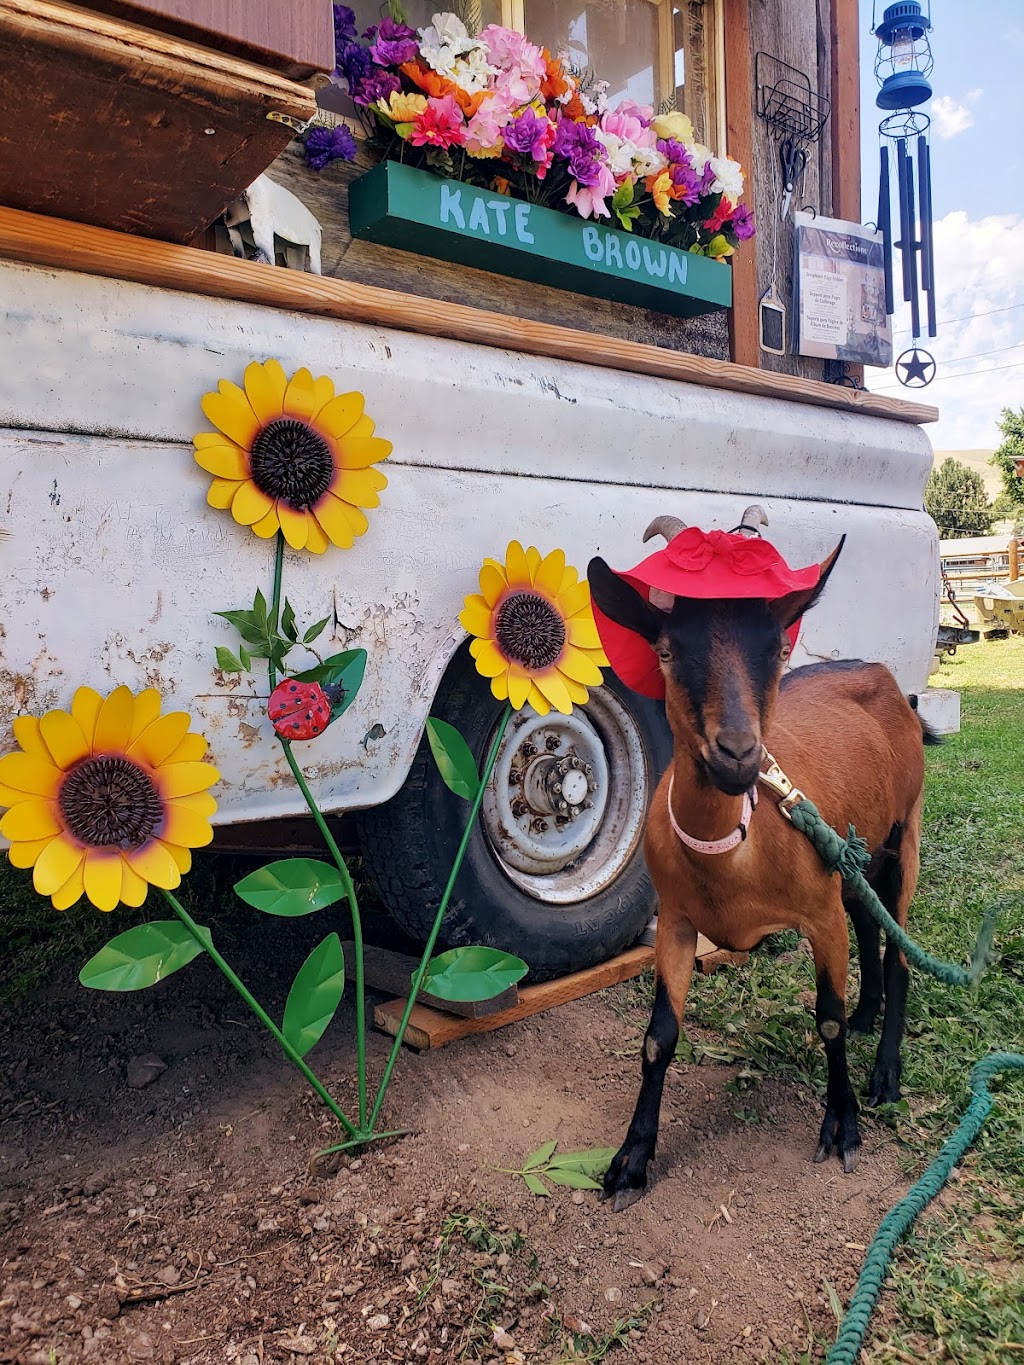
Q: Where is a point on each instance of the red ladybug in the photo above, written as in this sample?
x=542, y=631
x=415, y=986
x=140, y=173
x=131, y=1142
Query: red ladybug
x=299, y=710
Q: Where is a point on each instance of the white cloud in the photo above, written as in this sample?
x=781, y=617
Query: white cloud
x=979, y=278
x=950, y=116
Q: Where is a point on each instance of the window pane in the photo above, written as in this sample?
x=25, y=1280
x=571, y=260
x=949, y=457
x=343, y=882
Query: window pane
x=616, y=39
x=477, y=13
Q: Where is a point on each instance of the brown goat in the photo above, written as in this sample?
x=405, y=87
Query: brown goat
x=848, y=737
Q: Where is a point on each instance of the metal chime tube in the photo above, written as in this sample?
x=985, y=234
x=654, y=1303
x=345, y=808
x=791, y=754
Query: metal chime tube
x=910, y=250
x=885, y=226
x=906, y=237
x=924, y=170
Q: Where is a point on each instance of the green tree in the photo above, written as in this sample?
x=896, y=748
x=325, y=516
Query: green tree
x=1011, y=450
x=955, y=499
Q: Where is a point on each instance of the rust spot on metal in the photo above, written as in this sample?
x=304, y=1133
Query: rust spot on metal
x=248, y=734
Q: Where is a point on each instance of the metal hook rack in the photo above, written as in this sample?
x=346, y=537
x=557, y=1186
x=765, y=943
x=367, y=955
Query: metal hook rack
x=786, y=101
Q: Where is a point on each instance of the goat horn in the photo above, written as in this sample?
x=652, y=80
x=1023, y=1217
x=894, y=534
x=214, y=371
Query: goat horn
x=754, y=517
x=664, y=526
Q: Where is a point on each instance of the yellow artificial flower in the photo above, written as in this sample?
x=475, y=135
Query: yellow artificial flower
x=659, y=186
x=291, y=455
x=535, y=634
x=674, y=125
x=106, y=799
x=401, y=108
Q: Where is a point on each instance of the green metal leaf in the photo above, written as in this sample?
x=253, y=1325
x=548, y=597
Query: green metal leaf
x=575, y=1180
x=288, y=626
x=315, y=630
x=536, y=1186
x=315, y=995
x=454, y=758
x=343, y=672
x=259, y=609
x=473, y=973
x=246, y=624
x=245, y=658
x=540, y=1156
x=227, y=661
x=292, y=887
x=140, y=957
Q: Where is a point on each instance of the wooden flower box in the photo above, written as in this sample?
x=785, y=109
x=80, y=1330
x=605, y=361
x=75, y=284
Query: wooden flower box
x=398, y=206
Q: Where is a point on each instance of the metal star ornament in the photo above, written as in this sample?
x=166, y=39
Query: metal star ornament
x=915, y=369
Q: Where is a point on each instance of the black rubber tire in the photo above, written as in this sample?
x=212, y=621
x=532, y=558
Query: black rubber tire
x=409, y=843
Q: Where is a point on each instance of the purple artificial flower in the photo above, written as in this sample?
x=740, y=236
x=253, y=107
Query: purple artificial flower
x=528, y=134
x=324, y=145
x=394, y=44
x=580, y=146
x=674, y=151
x=707, y=180
x=344, y=31
x=355, y=64
x=376, y=87
x=742, y=222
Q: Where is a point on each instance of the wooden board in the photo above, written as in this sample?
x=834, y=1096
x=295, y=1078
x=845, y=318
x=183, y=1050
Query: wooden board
x=130, y=129
x=385, y=970
x=430, y=1028
x=743, y=318
x=53, y=243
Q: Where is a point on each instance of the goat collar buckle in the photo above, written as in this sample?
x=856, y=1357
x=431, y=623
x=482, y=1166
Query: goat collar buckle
x=776, y=780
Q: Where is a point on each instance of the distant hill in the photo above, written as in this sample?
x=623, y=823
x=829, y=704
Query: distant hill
x=978, y=460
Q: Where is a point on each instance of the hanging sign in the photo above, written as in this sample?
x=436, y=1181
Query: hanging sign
x=839, y=282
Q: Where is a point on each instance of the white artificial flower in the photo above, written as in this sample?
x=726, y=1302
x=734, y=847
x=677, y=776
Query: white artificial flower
x=448, y=30
x=700, y=156
x=648, y=160
x=620, y=153
x=728, y=178
x=473, y=71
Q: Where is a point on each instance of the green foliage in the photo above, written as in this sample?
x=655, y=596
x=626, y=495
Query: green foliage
x=472, y=973
x=264, y=638
x=623, y=207
x=454, y=758
x=292, y=887
x=315, y=995
x=140, y=957
x=579, y=1345
x=1010, y=450
x=575, y=1170
x=956, y=500
x=341, y=677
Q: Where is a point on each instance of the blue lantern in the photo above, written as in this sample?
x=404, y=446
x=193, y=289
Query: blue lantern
x=904, y=59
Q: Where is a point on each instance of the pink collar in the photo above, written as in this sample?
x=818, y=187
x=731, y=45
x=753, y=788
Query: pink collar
x=730, y=841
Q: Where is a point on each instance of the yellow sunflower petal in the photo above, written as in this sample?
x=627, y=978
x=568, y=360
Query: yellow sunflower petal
x=184, y=826
x=29, y=775
x=29, y=735
x=221, y=493
x=267, y=526
x=225, y=461
x=159, y=740
x=85, y=707
x=359, y=486
x=519, y=685
x=582, y=632
x=64, y=738
x=25, y=852
x=10, y=796
x=147, y=708
x=182, y=857
x=316, y=537
x=517, y=566
x=533, y=559
x=154, y=862
x=229, y=411
x=366, y=426
x=201, y=803
x=264, y=387
x=114, y=722
x=341, y=414
x=476, y=616
x=538, y=701
x=293, y=524
x=202, y=439
x=103, y=877
x=31, y=819
x=493, y=583
x=330, y=513
x=580, y=667
x=356, y=452
x=569, y=578
x=548, y=576
x=59, y=860
x=578, y=694
x=575, y=599
x=190, y=750
x=499, y=686
x=73, y=889
x=250, y=503
x=355, y=517
x=134, y=888
x=323, y=392
x=300, y=396
x=489, y=659
x=182, y=779
x=553, y=688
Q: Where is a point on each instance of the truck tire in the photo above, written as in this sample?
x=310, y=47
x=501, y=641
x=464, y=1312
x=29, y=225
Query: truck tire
x=562, y=891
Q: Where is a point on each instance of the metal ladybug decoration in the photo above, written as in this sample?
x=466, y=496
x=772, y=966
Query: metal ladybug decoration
x=299, y=710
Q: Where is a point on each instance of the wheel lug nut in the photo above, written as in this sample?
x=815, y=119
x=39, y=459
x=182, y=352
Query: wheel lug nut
x=563, y=805
x=588, y=805
x=528, y=750
x=519, y=808
x=551, y=743
x=576, y=762
x=574, y=811
x=588, y=769
x=557, y=789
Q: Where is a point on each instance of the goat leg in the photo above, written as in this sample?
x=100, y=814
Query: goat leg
x=839, y=1131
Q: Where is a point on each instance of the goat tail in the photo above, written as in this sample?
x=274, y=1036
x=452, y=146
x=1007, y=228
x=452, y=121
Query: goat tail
x=929, y=736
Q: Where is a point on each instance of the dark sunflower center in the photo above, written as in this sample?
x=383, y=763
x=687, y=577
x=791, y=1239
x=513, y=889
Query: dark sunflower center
x=292, y=461
x=529, y=630
x=109, y=801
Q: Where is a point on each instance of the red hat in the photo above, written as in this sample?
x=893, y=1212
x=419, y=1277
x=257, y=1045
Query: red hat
x=697, y=563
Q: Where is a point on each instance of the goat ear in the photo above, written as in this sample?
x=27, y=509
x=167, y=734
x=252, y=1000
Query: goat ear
x=790, y=608
x=622, y=603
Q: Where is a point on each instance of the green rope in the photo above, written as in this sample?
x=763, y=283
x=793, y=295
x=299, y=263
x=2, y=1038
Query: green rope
x=899, y=1218
x=850, y=857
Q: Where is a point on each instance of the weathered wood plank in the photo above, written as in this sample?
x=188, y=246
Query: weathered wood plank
x=844, y=130
x=739, y=112
x=54, y=243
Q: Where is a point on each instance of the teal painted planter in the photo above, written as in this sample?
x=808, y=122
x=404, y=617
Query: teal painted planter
x=397, y=206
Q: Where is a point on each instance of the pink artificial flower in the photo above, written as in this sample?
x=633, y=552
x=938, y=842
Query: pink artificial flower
x=521, y=64
x=485, y=127
x=588, y=200
x=628, y=126
x=440, y=124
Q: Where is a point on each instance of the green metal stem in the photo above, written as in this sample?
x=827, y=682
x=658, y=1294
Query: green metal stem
x=421, y=970
x=205, y=940
x=275, y=607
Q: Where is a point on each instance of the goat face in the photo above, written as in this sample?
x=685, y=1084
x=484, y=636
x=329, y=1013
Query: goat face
x=721, y=660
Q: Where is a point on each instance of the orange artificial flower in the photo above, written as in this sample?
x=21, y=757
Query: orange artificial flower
x=438, y=86
x=555, y=83
x=574, y=109
x=660, y=187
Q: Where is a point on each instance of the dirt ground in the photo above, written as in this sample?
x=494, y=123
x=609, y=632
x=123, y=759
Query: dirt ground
x=178, y=1222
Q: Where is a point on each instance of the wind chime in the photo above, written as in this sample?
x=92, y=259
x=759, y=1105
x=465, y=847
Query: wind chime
x=902, y=67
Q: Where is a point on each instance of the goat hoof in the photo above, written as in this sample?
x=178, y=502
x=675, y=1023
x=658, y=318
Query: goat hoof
x=625, y=1179
x=851, y=1159
x=885, y=1087
x=840, y=1136
x=625, y=1199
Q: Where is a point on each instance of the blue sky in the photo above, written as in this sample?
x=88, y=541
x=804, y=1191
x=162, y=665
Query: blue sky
x=978, y=189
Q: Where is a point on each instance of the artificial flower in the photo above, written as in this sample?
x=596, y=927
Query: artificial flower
x=291, y=455
x=628, y=127
x=555, y=84
x=743, y=223
x=589, y=200
x=440, y=125
x=437, y=87
x=659, y=187
x=534, y=630
x=728, y=177
x=394, y=43
x=530, y=134
x=674, y=125
x=721, y=216
x=106, y=799
x=519, y=65
x=484, y=129
x=324, y=145
x=379, y=85
x=402, y=108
